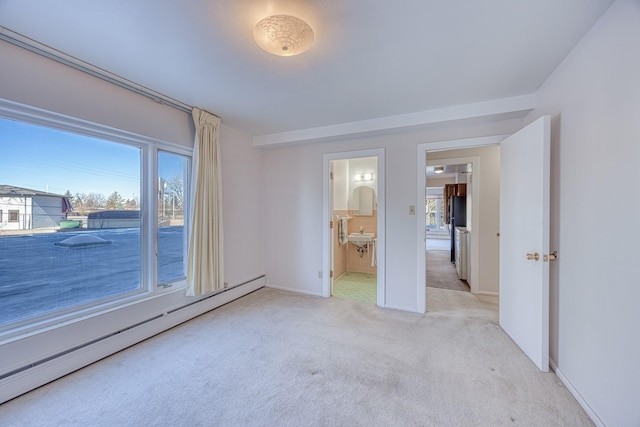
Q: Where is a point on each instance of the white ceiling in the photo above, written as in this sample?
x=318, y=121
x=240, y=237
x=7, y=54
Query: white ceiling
x=450, y=171
x=371, y=59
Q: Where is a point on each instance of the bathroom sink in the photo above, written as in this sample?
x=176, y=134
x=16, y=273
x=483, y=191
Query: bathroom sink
x=360, y=239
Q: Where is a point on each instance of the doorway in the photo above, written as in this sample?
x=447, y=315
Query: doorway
x=522, y=233
x=447, y=211
x=354, y=204
x=473, y=186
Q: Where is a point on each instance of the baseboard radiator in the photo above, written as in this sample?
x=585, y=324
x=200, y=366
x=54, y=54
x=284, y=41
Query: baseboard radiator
x=27, y=378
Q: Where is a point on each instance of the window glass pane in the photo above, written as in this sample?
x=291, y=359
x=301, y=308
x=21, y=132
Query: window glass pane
x=171, y=231
x=435, y=209
x=71, y=235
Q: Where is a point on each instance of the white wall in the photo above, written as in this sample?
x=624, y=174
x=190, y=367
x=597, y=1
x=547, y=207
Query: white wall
x=439, y=182
x=594, y=100
x=487, y=207
x=242, y=206
x=293, y=186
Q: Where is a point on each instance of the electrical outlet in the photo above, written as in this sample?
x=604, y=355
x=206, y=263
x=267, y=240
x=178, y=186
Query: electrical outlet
x=412, y=210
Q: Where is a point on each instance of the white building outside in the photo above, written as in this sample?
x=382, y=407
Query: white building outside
x=25, y=209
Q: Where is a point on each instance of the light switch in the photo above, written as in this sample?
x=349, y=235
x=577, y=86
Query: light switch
x=412, y=210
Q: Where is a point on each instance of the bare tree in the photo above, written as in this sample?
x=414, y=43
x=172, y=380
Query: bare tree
x=95, y=201
x=175, y=190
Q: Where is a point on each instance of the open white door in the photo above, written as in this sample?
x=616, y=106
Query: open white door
x=524, y=240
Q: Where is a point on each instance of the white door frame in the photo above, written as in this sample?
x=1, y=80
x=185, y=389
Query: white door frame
x=327, y=216
x=423, y=149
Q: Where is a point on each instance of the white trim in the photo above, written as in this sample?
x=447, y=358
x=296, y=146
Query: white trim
x=397, y=307
x=489, y=294
x=295, y=290
x=574, y=391
x=37, y=116
x=422, y=150
x=327, y=216
x=456, y=144
x=522, y=103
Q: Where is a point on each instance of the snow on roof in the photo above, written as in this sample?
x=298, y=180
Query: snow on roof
x=83, y=240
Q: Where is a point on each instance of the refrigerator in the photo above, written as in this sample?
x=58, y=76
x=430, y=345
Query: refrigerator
x=458, y=218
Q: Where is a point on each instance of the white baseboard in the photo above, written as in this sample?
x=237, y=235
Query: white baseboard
x=491, y=294
x=592, y=414
x=395, y=307
x=36, y=376
x=298, y=291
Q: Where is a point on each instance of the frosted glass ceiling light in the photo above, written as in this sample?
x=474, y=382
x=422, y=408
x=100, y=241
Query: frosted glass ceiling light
x=438, y=169
x=283, y=35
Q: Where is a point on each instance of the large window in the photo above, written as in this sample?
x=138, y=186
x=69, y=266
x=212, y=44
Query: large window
x=75, y=238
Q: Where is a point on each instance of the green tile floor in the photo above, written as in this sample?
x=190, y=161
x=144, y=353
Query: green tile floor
x=357, y=287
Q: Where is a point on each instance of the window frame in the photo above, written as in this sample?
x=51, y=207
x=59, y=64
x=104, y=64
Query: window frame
x=12, y=212
x=149, y=148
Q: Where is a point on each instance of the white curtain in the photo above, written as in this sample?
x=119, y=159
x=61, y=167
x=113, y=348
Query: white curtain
x=205, y=261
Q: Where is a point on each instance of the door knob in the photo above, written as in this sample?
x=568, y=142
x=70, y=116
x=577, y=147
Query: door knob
x=551, y=257
x=534, y=256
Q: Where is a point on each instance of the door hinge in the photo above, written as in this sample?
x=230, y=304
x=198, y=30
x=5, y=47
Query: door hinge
x=330, y=175
x=331, y=274
x=330, y=224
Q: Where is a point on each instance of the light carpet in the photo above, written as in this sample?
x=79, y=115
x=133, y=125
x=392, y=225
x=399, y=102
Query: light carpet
x=441, y=273
x=275, y=358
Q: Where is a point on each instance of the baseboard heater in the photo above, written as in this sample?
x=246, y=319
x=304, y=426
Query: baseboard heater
x=179, y=315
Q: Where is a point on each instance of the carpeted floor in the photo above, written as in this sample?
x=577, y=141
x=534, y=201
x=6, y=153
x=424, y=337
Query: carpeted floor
x=441, y=273
x=438, y=244
x=276, y=358
x=356, y=287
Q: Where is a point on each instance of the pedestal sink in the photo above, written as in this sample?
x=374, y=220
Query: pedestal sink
x=360, y=239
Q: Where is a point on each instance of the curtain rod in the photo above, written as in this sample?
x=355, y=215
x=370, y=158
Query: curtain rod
x=51, y=53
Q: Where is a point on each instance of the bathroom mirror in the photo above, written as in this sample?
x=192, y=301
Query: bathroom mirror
x=363, y=199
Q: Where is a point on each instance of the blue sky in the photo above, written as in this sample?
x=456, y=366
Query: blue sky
x=45, y=159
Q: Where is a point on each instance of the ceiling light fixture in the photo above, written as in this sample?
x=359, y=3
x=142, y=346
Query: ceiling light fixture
x=363, y=177
x=283, y=35
x=438, y=169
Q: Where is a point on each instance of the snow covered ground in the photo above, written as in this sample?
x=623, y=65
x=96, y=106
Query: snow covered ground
x=38, y=277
